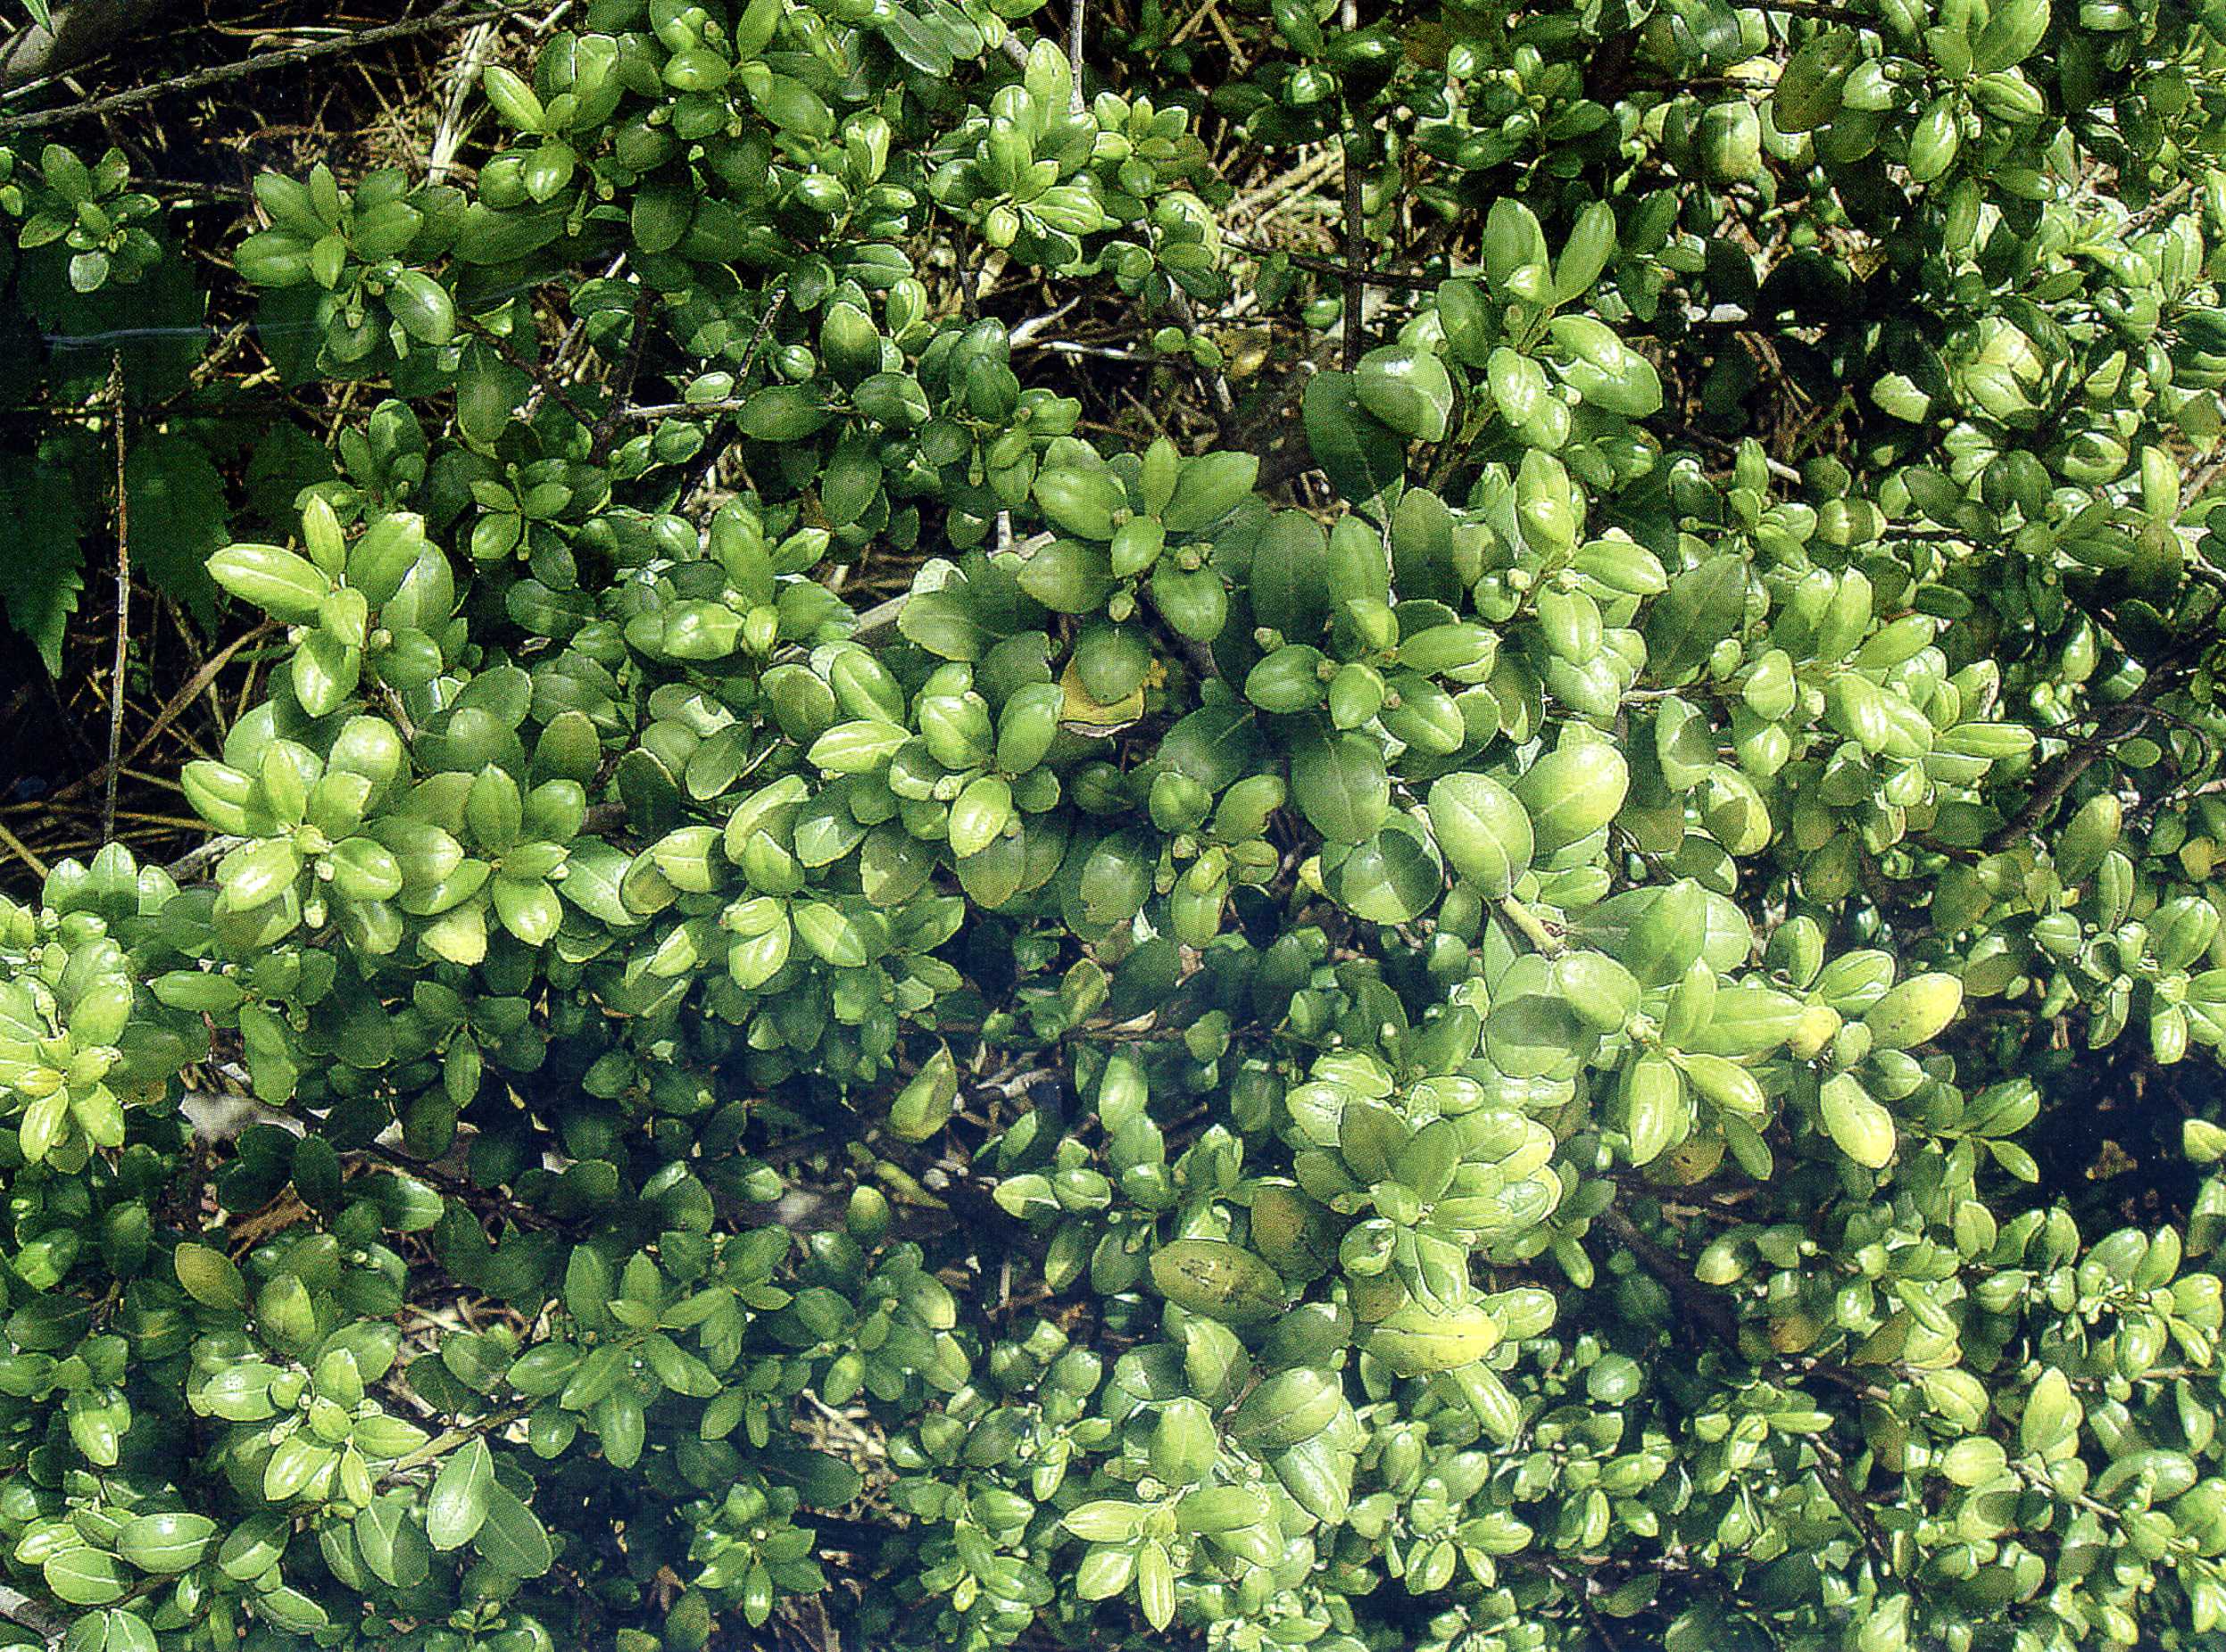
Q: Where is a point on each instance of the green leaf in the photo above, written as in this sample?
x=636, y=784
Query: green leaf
x=783, y=413
x=1339, y=781
x=1206, y=489
x=2051, y=1414
x=1155, y=1584
x=1858, y=1126
x=1533, y=1032
x=210, y=1277
x=87, y=1577
x=251, y=1550
x=1364, y=458
x=1484, y=831
x=1702, y=607
x=423, y=307
x=167, y=1542
x=488, y=391
x=829, y=931
x=511, y=1538
x=944, y=623
x=285, y=586
x=1390, y=879
x=1407, y=388
x=126, y=1632
x=458, y=1505
x=1105, y=1521
x=1216, y=746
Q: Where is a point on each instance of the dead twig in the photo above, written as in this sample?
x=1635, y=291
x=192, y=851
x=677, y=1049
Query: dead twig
x=541, y=381
x=448, y=17
x=170, y=713
x=21, y=851
x=566, y=345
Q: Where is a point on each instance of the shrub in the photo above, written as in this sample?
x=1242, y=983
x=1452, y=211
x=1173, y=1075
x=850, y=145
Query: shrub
x=1454, y=1031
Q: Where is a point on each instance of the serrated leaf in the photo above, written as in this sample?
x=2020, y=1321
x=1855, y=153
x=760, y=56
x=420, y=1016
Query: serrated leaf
x=42, y=576
x=285, y=459
x=178, y=518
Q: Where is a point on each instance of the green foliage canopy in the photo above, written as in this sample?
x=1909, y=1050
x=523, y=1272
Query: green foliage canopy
x=1462, y=1063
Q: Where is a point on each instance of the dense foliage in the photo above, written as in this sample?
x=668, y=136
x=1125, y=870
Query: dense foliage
x=1454, y=1026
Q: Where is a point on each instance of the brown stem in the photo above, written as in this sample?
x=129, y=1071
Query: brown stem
x=1074, y=56
x=1355, y=246
x=441, y=1445
x=456, y=1187
x=21, y=851
x=80, y=32
x=1343, y=272
x=599, y=443
x=2114, y=725
x=123, y=607
x=541, y=381
x=1711, y=1311
x=1831, y=1477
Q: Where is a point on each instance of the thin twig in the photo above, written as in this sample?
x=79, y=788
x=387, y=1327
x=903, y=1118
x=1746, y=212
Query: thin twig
x=1831, y=1476
x=1027, y=330
x=199, y=858
x=599, y=443
x=700, y=470
x=649, y=412
x=542, y=381
x=1074, y=55
x=566, y=345
x=2076, y=762
x=463, y=1433
x=1103, y=353
x=1251, y=207
x=1776, y=467
x=1704, y=1308
x=1342, y=271
x=1356, y=226
x=179, y=702
x=1716, y=1315
x=71, y=36
x=19, y=1607
x=448, y=17
x=21, y=851
x=2120, y=721
x=456, y=1187
x=1217, y=382
x=123, y=608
